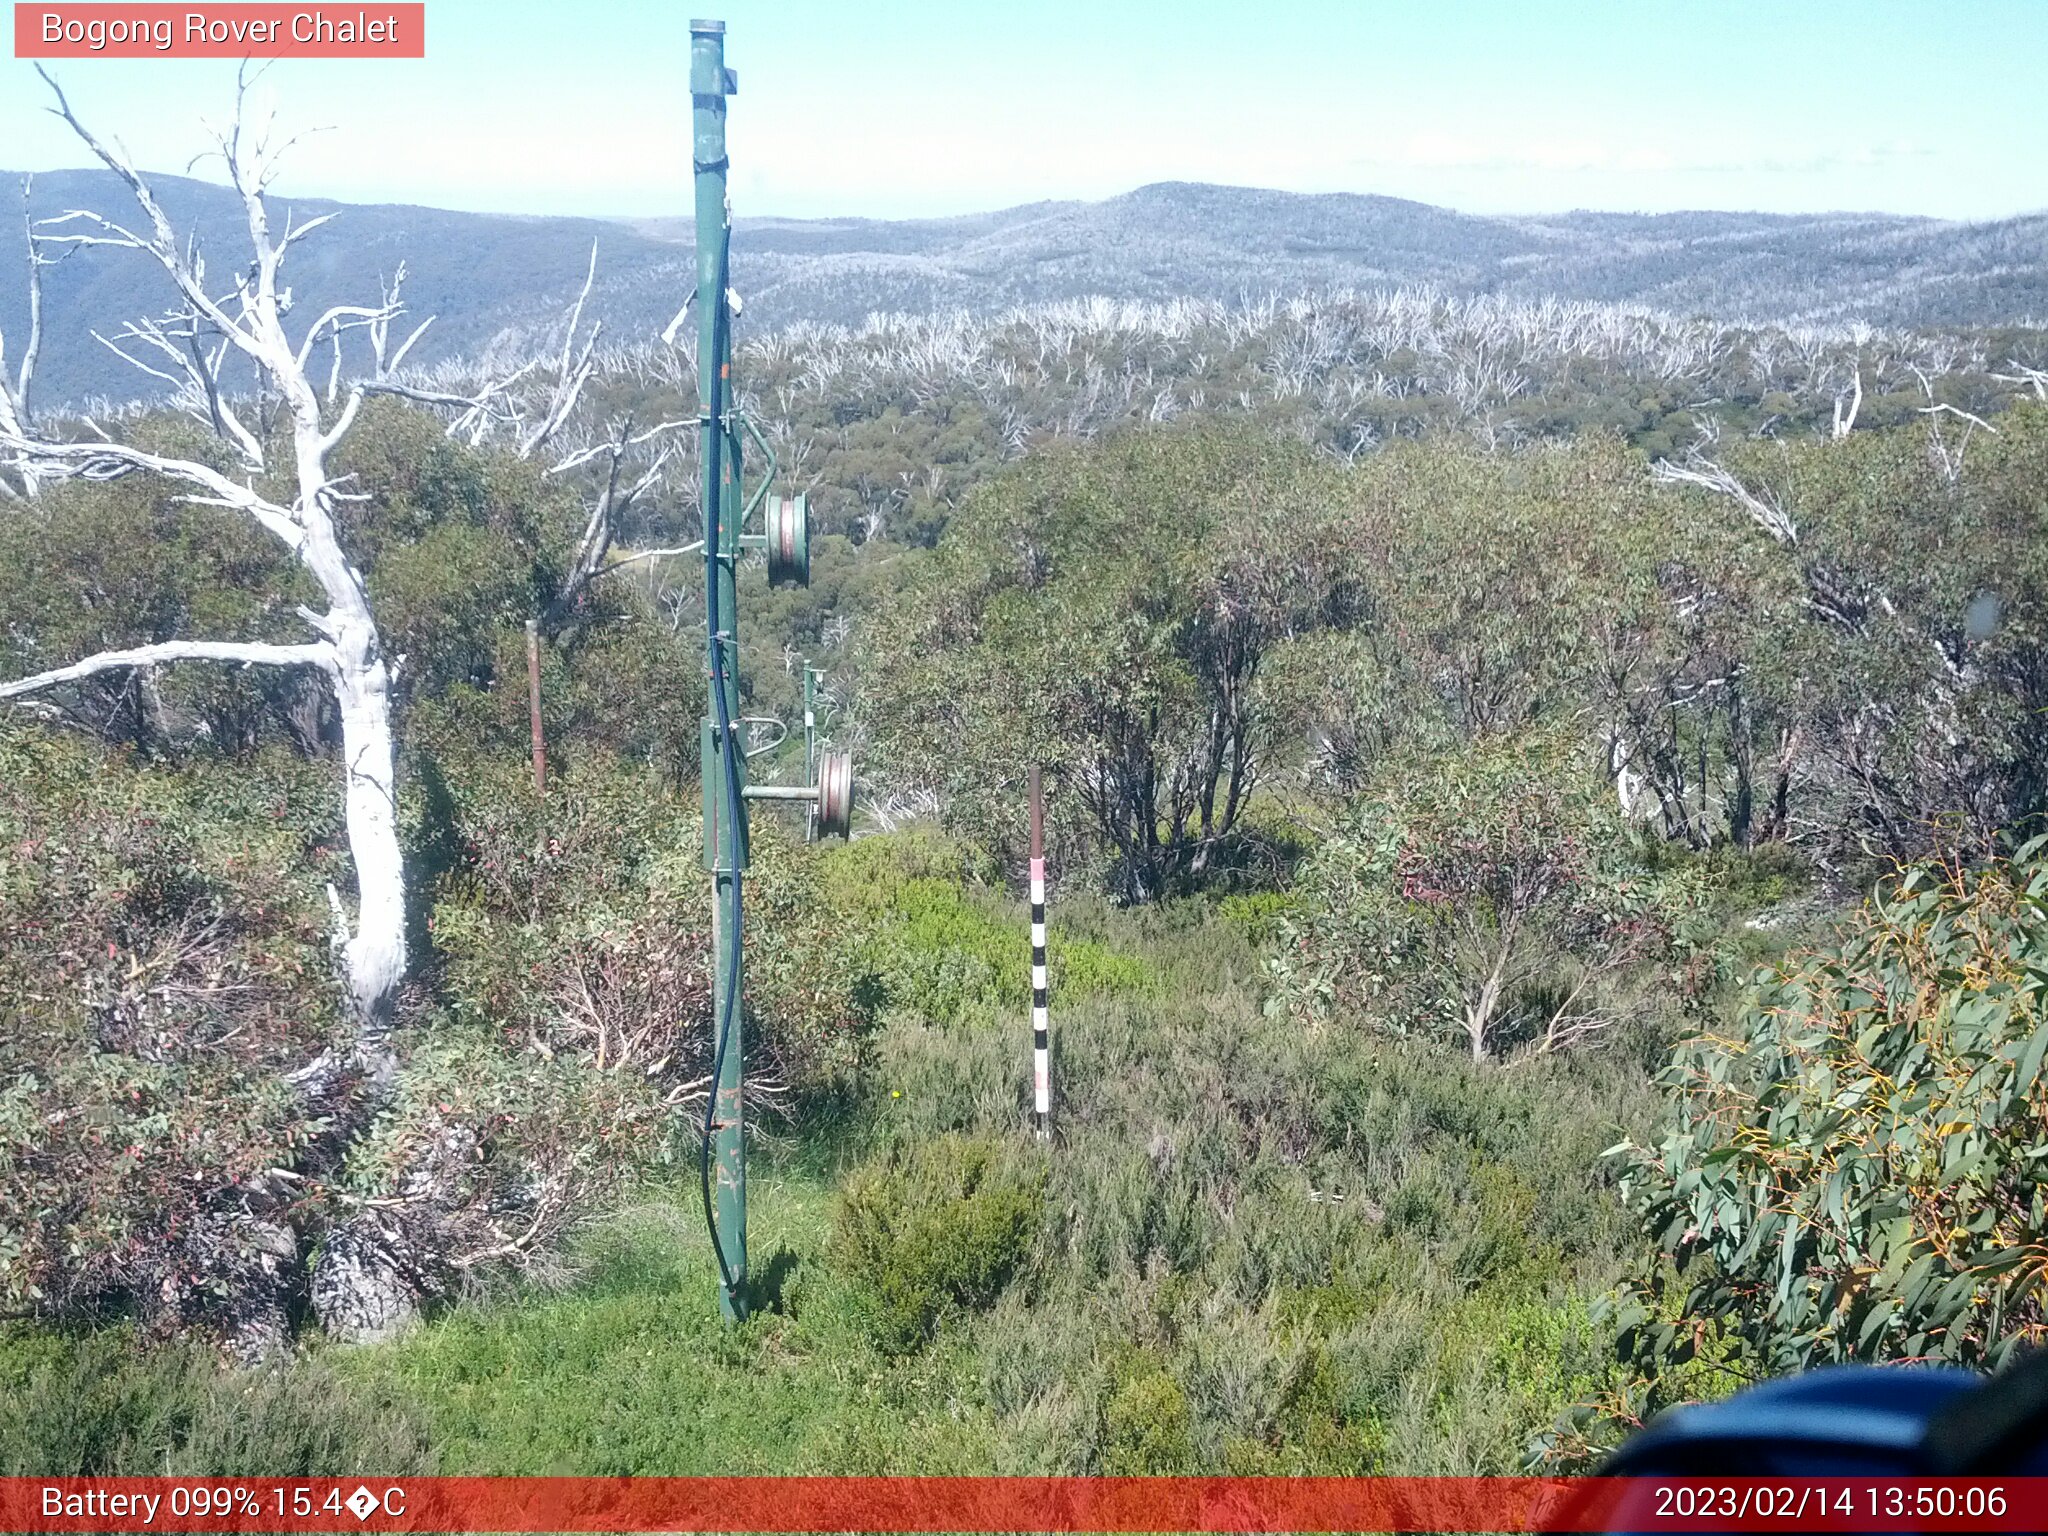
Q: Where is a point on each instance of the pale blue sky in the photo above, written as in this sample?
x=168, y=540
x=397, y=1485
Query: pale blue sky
x=904, y=107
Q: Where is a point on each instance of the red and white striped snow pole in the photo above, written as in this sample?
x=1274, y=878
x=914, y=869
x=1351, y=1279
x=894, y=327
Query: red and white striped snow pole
x=1041, y=1044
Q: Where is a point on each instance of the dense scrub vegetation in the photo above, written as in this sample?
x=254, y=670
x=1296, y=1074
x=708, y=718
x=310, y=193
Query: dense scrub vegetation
x=1855, y=670
x=1424, y=824
x=1247, y=1248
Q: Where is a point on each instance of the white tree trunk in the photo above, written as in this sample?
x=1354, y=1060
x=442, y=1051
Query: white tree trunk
x=376, y=949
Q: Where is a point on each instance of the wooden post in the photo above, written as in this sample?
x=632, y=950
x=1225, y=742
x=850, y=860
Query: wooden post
x=540, y=749
x=1041, y=1042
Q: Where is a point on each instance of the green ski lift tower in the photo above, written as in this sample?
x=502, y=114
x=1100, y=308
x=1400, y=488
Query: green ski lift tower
x=785, y=536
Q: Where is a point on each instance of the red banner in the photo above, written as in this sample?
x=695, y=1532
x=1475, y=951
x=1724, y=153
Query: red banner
x=1021, y=1504
x=69, y=31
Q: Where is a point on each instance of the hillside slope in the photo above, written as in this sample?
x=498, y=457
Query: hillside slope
x=500, y=280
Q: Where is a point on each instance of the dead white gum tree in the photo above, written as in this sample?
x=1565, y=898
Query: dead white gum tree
x=15, y=410
x=220, y=328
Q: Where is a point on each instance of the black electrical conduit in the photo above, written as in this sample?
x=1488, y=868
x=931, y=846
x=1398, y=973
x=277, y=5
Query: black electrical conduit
x=729, y=755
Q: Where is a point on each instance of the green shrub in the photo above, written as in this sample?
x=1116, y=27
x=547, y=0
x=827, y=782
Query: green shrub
x=1495, y=898
x=1267, y=845
x=1257, y=914
x=867, y=877
x=937, y=953
x=1145, y=1429
x=1105, y=610
x=105, y=1404
x=1315, y=1433
x=163, y=962
x=935, y=1229
x=1855, y=1173
x=937, y=944
x=1752, y=878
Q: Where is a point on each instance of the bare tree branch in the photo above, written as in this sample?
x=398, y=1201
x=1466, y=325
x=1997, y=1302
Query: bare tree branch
x=572, y=372
x=248, y=654
x=1974, y=421
x=585, y=455
x=24, y=381
x=98, y=460
x=612, y=502
x=163, y=242
x=653, y=554
x=1948, y=458
x=1707, y=474
x=2035, y=379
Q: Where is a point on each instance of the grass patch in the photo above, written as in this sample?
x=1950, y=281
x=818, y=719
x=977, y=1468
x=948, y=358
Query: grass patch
x=106, y=1403
x=630, y=1372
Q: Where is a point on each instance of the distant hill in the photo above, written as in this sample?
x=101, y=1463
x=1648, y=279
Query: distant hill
x=1218, y=242
x=486, y=278
x=498, y=281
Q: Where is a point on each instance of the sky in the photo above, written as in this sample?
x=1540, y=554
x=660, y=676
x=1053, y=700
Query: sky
x=909, y=108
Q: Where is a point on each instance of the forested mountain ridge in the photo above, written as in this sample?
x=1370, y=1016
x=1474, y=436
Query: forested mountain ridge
x=494, y=281
x=1174, y=239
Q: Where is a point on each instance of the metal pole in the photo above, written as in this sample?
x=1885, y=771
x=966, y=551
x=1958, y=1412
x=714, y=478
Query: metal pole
x=807, y=792
x=1041, y=1040
x=540, y=747
x=811, y=746
x=725, y=837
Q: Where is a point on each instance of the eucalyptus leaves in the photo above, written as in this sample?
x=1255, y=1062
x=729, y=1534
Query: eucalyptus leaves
x=1855, y=1173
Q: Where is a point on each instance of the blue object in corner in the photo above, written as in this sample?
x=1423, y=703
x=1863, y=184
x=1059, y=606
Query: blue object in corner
x=1847, y=1421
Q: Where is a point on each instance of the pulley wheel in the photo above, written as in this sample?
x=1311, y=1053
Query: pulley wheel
x=789, y=542
x=835, y=794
